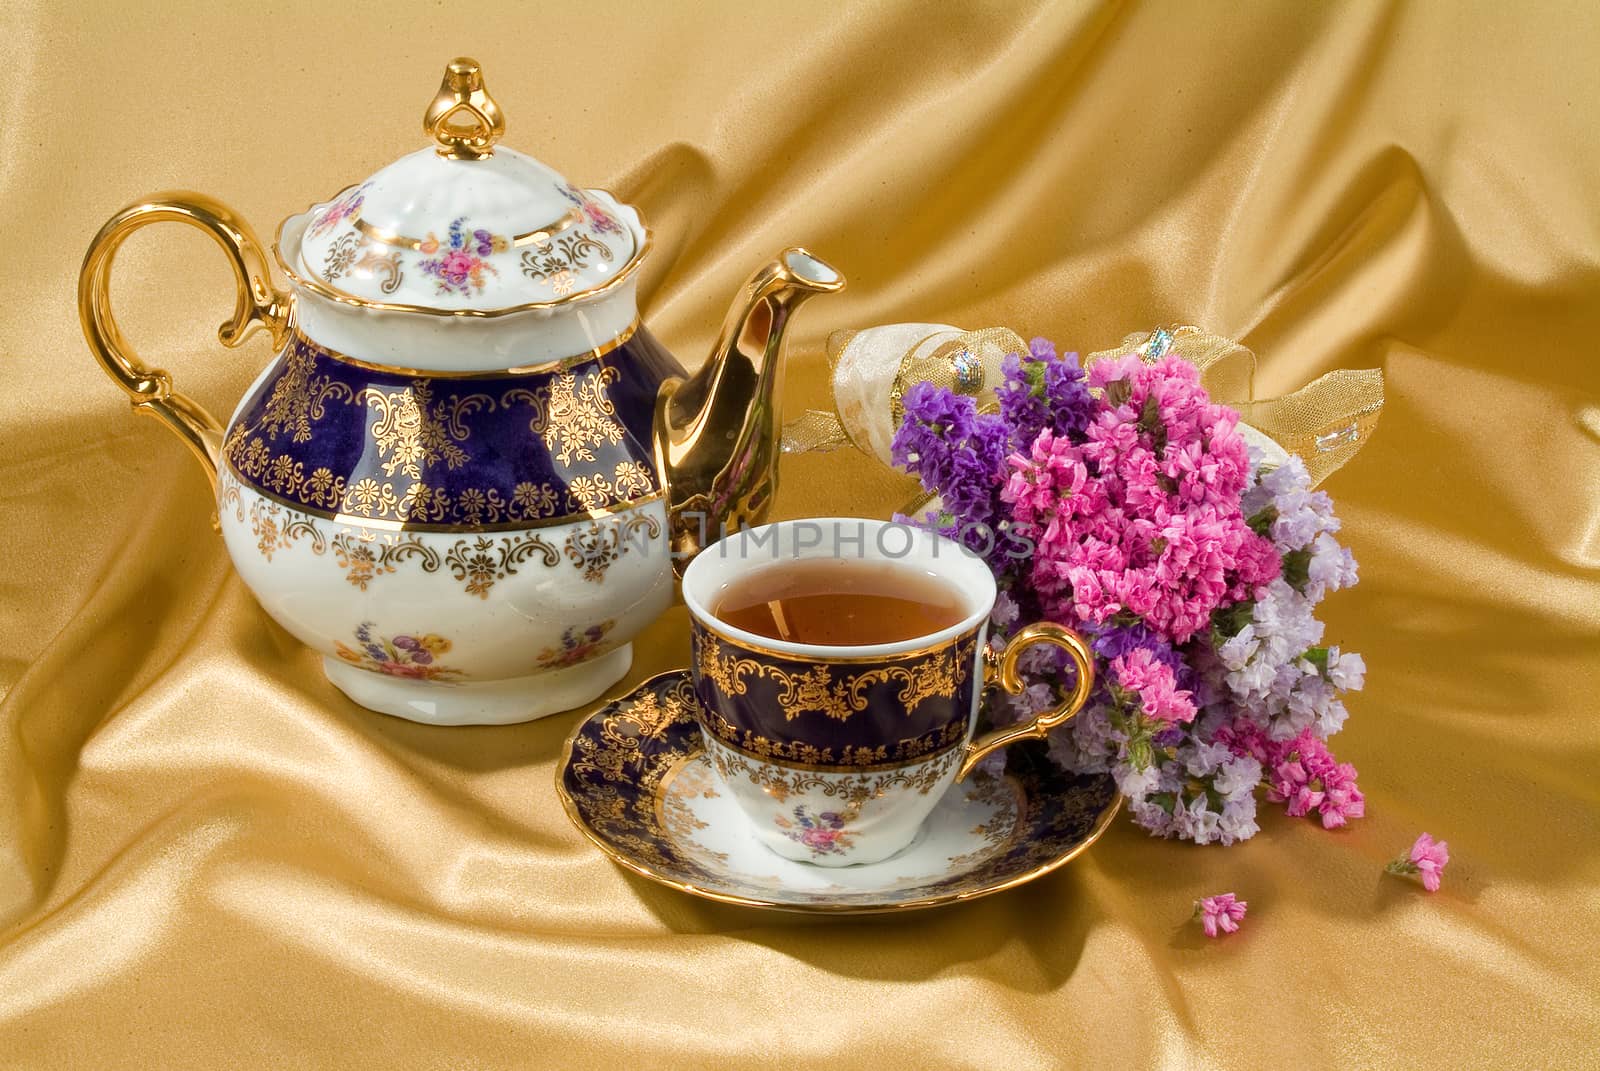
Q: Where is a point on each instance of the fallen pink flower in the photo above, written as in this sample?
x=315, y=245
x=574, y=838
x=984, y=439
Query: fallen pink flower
x=1221, y=913
x=1427, y=857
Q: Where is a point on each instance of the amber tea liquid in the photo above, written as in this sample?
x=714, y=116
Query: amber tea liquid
x=845, y=602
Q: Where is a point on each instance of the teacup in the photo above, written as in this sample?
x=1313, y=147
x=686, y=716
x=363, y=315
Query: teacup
x=836, y=754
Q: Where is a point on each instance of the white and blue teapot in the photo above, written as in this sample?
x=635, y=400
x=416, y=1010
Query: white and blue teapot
x=468, y=474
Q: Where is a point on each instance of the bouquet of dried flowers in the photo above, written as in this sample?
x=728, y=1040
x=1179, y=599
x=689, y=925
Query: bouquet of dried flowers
x=1126, y=504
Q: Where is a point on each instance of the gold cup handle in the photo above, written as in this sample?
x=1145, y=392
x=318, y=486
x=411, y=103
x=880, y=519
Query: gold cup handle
x=259, y=304
x=1005, y=668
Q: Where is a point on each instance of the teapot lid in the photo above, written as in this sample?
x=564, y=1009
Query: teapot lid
x=467, y=226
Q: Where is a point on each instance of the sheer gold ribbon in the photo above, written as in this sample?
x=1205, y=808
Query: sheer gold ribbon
x=1325, y=422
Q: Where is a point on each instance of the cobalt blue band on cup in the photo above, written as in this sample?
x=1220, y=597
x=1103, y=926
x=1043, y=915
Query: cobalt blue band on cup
x=836, y=754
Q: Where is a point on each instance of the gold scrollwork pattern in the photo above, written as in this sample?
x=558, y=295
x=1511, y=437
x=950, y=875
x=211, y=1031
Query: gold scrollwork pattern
x=593, y=492
x=635, y=775
x=385, y=267
x=412, y=428
x=850, y=755
x=553, y=261
x=275, y=528
x=836, y=693
x=1001, y=825
x=419, y=501
x=350, y=254
x=365, y=556
x=676, y=815
x=340, y=256
x=851, y=789
x=575, y=415
x=627, y=751
x=594, y=547
x=619, y=750
x=300, y=395
x=483, y=562
x=477, y=562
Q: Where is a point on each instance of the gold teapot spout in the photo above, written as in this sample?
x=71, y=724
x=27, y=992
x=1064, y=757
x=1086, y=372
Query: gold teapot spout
x=716, y=432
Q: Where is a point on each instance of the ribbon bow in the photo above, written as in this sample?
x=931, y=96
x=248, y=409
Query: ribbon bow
x=1325, y=422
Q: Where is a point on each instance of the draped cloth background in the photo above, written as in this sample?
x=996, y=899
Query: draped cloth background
x=209, y=858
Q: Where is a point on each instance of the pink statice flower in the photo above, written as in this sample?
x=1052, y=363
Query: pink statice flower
x=1140, y=673
x=1220, y=914
x=1427, y=857
x=1303, y=774
x=1143, y=517
x=1244, y=737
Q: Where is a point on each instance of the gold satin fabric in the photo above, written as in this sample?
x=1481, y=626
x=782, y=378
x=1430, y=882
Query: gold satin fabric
x=208, y=858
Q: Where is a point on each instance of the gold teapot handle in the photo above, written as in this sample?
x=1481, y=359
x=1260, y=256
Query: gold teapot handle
x=1005, y=669
x=259, y=304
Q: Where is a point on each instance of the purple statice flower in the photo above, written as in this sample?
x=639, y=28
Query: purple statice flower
x=1042, y=391
x=1115, y=640
x=959, y=454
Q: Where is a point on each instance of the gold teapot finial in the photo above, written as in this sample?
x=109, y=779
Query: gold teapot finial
x=463, y=119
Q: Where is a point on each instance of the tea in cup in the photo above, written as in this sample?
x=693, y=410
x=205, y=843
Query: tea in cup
x=839, y=664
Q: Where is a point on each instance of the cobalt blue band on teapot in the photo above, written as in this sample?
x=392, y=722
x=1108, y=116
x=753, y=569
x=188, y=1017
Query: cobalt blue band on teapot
x=523, y=448
x=876, y=711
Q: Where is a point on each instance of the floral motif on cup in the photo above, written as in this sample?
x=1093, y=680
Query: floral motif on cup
x=408, y=656
x=825, y=833
x=577, y=645
x=339, y=209
x=459, y=263
x=836, y=691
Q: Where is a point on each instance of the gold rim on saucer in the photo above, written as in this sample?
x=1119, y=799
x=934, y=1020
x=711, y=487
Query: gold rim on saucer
x=625, y=758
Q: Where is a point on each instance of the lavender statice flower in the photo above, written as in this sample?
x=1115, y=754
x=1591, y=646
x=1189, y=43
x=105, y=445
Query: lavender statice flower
x=1194, y=790
x=1042, y=391
x=1006, y=612
x=1274, y=668
x=1088, y=743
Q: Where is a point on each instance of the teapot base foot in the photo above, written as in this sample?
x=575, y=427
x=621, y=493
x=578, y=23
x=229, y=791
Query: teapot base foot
x=502, y=702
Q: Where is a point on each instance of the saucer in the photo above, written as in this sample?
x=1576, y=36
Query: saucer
x=637, y=781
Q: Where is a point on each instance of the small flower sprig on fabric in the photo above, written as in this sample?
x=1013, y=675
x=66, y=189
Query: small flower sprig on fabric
x=1427, y=857
x=1220, y=914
